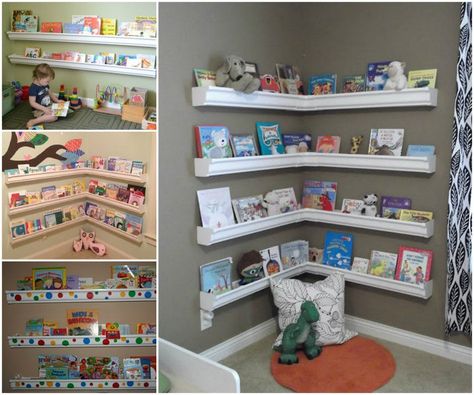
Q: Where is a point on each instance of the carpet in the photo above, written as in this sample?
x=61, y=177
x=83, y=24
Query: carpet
x=359, y=365
x=85, y=118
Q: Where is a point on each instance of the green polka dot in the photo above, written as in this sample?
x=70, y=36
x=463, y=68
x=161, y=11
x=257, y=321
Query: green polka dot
x=70, y=385
x=97, y=339
x=35, y=297
x=115, y=340
x=65, y=343
x=131, y=294
x=41, y=382
x=106, y=383
x=15, y=340
x=139, y=340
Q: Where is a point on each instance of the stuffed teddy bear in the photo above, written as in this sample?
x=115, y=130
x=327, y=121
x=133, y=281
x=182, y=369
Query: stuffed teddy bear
x=271, y=202
x=87, y=241
x=250, y=267
x=369, y=208
x=396, y=79
x=232, y=75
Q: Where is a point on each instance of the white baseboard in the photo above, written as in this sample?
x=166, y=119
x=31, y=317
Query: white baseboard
x=414, y=340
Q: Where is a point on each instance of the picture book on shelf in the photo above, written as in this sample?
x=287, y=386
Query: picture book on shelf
x=51, y=27
x=16, y=22
x=386, y=142
x=212, y=141
x=297, y=142
x=216, y=276
x=99, y=368
x=249, y=208
x=414, y=265
x=328, y=144
x=53, y=218
x=137, y=168
x=33, y=53
x=205, y=77
x=49, y=278
x=124, y=271
x=146, y=276
x=73, y=28
x=136, y=199
x=83, y=322
x=49, y=192
x=360, y=265
x=120, y=221
x=377, y=75
x=416, y=216
x=215, y=207
x=382, y=264
x=294, y=253
x=134, y=224
x=286, y=198
x=289, y=79
x=34, y=327
x=353, y=83
x=422, y=78
x=323, y=84
x=319, y=194
x=243, y=145
x=91, y=25
x=123, y=195
x=420, y=150
x=17, y=228
x=18, y=198
x=352, y=206
x=132, y=369
x=338, y=250
x=108, y=26
x=269, y=138
x=268, y=83
x=391, y=206
x=271, y=261
x=144, y=328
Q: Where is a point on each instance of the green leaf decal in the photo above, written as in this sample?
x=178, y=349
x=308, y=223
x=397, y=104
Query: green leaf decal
x=39, y=139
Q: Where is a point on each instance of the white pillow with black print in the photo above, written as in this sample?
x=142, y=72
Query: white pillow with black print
x=327, y=295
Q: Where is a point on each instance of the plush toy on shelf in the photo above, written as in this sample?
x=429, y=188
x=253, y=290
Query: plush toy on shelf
x=250, y=267
x=356, y=141
x=232, y=75
x=271, y=202
x=369, y=208
x=86, y=242
x=396, y=79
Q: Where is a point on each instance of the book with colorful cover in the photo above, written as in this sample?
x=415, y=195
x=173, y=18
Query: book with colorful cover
x=73, y=28
x=60, y=109
x=83, y=322
x=286, y=199
x=125, y=271
x=53, y=218
x=109, y=217
x=416, y=216
x=249, y=208
x=294, y=253
x=352, y=206
x=353, y=83
x=271, y=261
x=289, y=79
x=212, y=141
x=420, y=150
x=49, y=192
x=377, y=75
x=390, y=206
x=205, y=77
x=360, y=265
x=18, y=198
x=91, y=25
x=422, y=78
x=146, y=276
x=137, y=168
x=100, y=368
x=301, y=142
x=338, y=250
x=145, y=328
x=215, y=207
x=319, y=195
x=111, y=162
x=51, y=27
x=386, y=142
x=243, y=145
x=16, y=22
x=108, y=27
x=123, y=195
x=136, y=199
x=134, y=224
x=17, y=228
x=322, y=84
x=414, y=265
x=269, y=138
x=30, y=22
x=93, y=185
x=383, y=264
x=328, y=144
x=216, y=276
x=34, y=327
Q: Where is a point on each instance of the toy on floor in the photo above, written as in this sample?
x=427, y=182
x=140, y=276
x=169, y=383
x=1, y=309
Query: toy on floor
x=369, y=208
x=301, y=334
x=110, y=100
x=86, y=242
x=61, y=95
x=74, y=100
x=18, y=92
x=250, y=267
x=232, y=75
x=37, y=127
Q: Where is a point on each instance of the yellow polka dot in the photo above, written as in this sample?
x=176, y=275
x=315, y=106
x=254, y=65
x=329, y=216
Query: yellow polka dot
x=53, y=343
x=49, y=383
x=101, y=385
x=41, y=295
x=123, y=338
x=29, y=294
x=122, y=294
x=71, y=293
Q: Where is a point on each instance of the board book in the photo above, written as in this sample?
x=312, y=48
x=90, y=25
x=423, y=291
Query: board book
x=243, y=145
x=383, y=264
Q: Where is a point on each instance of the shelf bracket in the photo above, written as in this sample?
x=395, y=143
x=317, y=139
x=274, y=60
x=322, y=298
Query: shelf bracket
x=206, y=319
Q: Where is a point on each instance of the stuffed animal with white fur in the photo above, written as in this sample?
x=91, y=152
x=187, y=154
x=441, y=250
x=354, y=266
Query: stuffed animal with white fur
x=232, y=74
x=369, y=208
x=396, y=79
x=271, y=202
x=86, y=242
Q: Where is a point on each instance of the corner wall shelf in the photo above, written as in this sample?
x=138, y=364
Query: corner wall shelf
x=85, y=39
x=81, y=341
x=210, y=302
x=82, y=295
x=208, y=236
x=204, y=167
x=100, y=68
x=33, y=383
x=227, y=97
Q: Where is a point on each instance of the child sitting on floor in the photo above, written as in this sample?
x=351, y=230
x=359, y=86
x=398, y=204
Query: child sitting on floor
x=41, y=98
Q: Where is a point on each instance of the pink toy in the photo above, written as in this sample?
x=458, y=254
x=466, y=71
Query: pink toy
x=87, y=241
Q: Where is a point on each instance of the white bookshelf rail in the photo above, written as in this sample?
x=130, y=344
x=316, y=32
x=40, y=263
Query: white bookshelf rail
x=209, y=236
x=210, y=302
x=85, y=39
x=227, y=97
x=100, y=68
x=33, y=383
x=204, y=167
x=81, y=341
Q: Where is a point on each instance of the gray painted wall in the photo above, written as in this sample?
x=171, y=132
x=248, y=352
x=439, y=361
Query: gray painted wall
x=344, y=41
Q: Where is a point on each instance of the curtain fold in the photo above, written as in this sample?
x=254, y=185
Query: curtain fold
x=459, y=279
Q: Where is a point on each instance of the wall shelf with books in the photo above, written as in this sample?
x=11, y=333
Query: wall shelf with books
x=135, y=238
x=82, y=295
x=227, y=97
x=204, y=167
x=142, y=42
x=81, y=341
x=100, y=68
x=209, y=236
x=32, y=383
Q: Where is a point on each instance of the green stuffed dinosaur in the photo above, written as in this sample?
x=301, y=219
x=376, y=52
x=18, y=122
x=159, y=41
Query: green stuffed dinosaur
x=300, y=334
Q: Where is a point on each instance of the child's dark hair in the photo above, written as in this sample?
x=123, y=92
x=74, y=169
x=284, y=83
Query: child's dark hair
x=43, y=70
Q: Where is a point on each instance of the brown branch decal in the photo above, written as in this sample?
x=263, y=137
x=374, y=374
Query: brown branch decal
x=15, y=145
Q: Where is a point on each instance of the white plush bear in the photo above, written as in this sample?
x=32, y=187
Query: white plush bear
x=220, y=141
x=369, y=209
x=396, y=79
x=291, y=149
x=271, y=202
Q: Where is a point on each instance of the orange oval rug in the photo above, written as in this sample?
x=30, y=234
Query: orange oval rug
x=359, y=365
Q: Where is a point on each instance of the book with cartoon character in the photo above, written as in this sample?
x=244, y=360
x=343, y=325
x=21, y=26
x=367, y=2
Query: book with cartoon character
x=269, y=138
x=212, y=141
x=414, y=265
x=338, y=250
x=216, y=208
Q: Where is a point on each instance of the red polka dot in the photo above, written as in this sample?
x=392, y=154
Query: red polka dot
x=116, y=385
x=17, y=298
x=22, y=341
x=145, y=384
x=106, y=342
x=110, y=293
x=60, y=295
x=139, y=294
x=40, y=342
x=73, y=340
x=90, y=295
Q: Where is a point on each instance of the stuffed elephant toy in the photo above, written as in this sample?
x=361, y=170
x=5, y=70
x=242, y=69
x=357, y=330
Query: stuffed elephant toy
x=232, y=75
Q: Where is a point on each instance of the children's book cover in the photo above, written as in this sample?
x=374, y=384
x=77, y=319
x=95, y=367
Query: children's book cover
x=123, y=195
x=18, y=198
x=212, y=141
x=243, y=145
x=137, y=168
x=416, y=216
x=249, y=208
x=323, y=84
x=53, y=218
x=134, y=224
x=136, y=189
x=294, y=253
x=91, y=209
x=286, y=199
x=297, y=142
x=386, y=142
x=420, y=150
x=17, y=228
x=60, y=109
x=269, y=138
x=391, y=206
x=91, y=25
x=352, y=206
x=377, y=74
x=17, y=20
x=383, y=264
x=124, y=271
x=146, y=277
x=34, y=327
x=109, y=217
x=360, y=265
x=108, y=27
x=73, y=28
x=33, y=53
x=50, y=278
x=51, y=27
x=216, y=276
x=328, y=144
x=120, y=221
x=422, y=78
x=83, y=322
x=205, y=77
x=136, y=199
x=289, y=78
x=338, y=250
x=215, y=207
x=100, y=368
x=144, y=328
x=132, y=369
x=319, y=194
x=353, y=83
x=271, y=261
x=414, y=265
x=49, y=192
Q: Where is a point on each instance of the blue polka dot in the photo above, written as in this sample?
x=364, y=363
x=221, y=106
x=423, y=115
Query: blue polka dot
x=87, y=340
x=130, y=383
x=12, y=294
x=127, y=341
x=106, y=298
x=57, y=385
x=154, y=341
x=75, y=296
x=31, y=341
x=28, y=385
x=83, y=384
x=49, y=295
x=147, y=294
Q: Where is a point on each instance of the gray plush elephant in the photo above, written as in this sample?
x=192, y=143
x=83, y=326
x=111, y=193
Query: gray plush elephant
x=232, y=75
